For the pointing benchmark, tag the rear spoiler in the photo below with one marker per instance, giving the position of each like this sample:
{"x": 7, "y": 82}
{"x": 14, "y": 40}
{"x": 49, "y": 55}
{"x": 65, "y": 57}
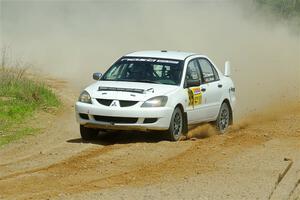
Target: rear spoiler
{"x": 227, "y": 69}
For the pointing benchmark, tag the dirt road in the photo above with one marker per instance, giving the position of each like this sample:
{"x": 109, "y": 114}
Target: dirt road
{"x": 258, "y": 159}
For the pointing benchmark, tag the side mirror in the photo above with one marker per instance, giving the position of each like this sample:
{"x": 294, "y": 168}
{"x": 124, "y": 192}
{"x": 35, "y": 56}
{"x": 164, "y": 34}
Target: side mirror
{"x": 97, "y": 76}
{"x": 227, "y": 68}
{"x": 192, "y": 83}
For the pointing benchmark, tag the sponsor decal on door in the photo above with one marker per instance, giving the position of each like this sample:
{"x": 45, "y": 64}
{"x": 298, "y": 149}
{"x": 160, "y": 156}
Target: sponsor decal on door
{"x": 195, "y": 96}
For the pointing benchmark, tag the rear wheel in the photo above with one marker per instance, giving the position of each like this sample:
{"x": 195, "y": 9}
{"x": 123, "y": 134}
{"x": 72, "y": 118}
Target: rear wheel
{"x": 88, "y": 133}
{"x": 176, "y": 125}
{"x": 223, "y": 119}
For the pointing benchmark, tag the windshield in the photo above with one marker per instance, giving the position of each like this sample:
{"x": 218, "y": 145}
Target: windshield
{"x": 149, "y": 70}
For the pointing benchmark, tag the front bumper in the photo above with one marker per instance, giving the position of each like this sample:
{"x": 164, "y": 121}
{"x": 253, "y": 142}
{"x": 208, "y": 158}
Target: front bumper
{"x": 99, "y": 116}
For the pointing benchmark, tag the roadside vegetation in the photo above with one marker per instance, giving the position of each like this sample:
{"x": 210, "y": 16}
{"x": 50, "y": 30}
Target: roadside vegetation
{"x": 287, "y": 11}
{"x": 20, "y": 98}
{"x": 284, "y": 8}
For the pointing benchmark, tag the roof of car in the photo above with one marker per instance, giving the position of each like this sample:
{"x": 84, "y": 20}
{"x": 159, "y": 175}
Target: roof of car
{"x": 177, "y": 55}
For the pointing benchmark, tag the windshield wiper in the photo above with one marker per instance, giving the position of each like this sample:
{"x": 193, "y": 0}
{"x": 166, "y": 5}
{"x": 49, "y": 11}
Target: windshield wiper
{"x": 146, "y": 81}
{"x": 128, "y": 80}
{"x": 132, "y": 80}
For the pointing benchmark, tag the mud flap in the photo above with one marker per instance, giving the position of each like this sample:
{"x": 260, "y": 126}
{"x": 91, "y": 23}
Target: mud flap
{"x": 185, "y": 124}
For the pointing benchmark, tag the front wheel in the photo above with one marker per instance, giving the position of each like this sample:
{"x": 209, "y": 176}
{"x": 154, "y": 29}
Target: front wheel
{"x": 223, "y": 119}
{"x": 175, "y": 130}
{"x": 88, "y": 133}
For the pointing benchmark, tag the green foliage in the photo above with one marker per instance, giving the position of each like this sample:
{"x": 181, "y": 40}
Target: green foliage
{"x": 17, "y": 134}
{"x": 286, "y": 8}
{"x": 20, "y": 97}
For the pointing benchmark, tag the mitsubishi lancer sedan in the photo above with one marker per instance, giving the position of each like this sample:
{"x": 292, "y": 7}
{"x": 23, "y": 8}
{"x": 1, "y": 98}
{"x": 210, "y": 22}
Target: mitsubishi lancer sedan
{"x": 163, "y": 91}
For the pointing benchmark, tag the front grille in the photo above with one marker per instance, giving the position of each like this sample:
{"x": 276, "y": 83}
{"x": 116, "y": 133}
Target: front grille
{"x": 121, "y": 120}
{"x": 105, "y": 102}
{"x": 127, "y": 103}
{"x": 83, "y": 116}
{"x": 150, "y": 120}
{"x": 123, "y": 103}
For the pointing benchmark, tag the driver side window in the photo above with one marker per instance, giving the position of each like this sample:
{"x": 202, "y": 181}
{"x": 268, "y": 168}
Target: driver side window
{"x": 192, "y": 72}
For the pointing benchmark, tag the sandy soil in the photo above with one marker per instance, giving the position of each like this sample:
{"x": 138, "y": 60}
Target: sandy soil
{"x": 258, "y": 159}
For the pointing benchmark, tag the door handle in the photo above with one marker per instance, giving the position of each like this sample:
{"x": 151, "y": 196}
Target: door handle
{"x": 203, "y": 89}
{"x": 220, "y": 85}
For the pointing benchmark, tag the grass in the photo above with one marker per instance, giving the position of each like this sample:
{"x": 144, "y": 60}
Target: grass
{"x": 20, "y": 98}
{"x": 18, "y": 134}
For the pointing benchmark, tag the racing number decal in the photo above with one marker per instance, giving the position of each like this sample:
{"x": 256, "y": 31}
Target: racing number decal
{"x": 195, "y": 96}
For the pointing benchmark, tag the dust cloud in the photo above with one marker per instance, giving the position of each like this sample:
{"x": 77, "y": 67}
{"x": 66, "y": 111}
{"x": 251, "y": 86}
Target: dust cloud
{"x": 201, "y": 132}
{"x": 73, "y": 39}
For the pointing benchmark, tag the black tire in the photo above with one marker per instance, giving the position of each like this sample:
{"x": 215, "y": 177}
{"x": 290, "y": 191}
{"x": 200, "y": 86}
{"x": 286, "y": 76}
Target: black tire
{"x": 223, "y": 120}
{"x": 176, "y": 125}
{"x": 88, "y": 133}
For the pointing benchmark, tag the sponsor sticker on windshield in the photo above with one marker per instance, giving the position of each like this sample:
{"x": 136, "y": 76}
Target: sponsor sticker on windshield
{"x": 139, "y": 59}
{"x": 168, "y": 61}
{"x": 150, "y": 60}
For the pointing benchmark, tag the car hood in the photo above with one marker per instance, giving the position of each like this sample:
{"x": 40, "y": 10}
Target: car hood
{"x": 131, "y": 91}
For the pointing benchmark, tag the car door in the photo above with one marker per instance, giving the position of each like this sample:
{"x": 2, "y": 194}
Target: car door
{"x": 212, "y": 87}
{"x": 195, "y": 109}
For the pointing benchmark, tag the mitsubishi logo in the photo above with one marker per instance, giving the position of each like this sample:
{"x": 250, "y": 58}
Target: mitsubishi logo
{"x": 115, "y": 103}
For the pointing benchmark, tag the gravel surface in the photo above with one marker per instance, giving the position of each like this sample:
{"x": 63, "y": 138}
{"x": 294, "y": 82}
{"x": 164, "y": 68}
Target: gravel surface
{"x": 257, "y": 159}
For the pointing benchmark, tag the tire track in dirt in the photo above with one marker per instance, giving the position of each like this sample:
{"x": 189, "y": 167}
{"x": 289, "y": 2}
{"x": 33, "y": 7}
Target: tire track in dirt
{"x": 199, "y": 157}
{"x": 68, "y": 163}
{"x": 18, "y": 160}
{"x": 74, "y": 171}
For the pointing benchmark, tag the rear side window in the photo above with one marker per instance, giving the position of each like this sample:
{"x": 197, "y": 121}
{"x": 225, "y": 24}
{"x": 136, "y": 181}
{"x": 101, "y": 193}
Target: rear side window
{"x": 209, "y": 73}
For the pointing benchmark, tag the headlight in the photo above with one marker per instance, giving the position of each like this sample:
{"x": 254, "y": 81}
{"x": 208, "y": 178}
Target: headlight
{"x": 159, "y": 101}
{"x": 85, "y": 97}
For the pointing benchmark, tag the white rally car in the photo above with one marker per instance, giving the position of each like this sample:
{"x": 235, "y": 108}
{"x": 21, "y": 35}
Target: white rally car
{"x": 161, "y": 91}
